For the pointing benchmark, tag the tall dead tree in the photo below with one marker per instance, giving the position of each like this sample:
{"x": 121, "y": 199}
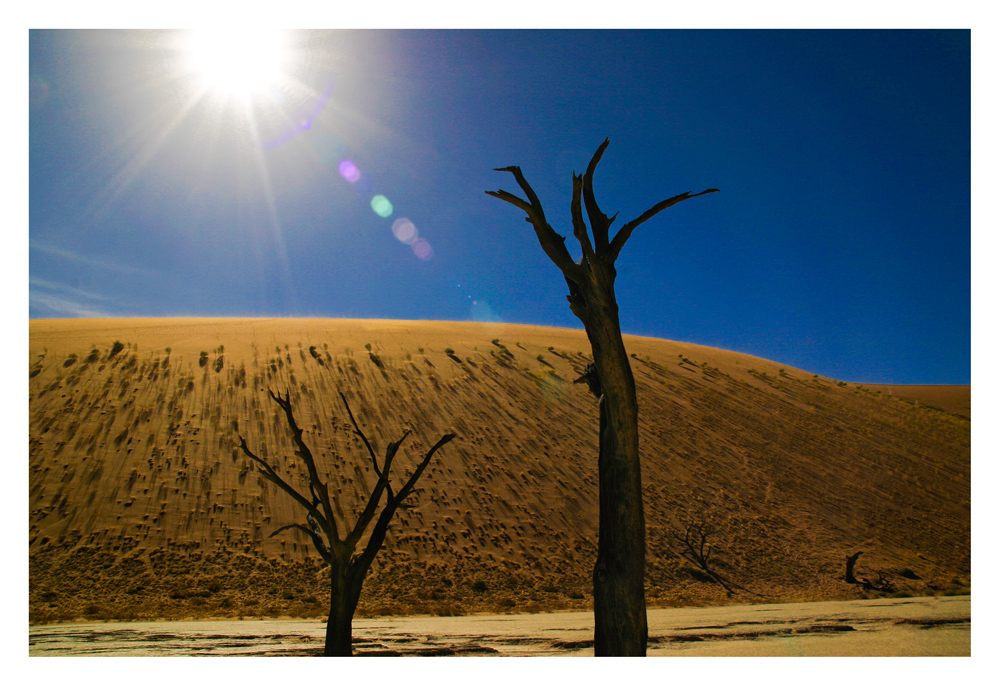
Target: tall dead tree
{"x": 619, "y": 595}
{"x": 340, "y": 550}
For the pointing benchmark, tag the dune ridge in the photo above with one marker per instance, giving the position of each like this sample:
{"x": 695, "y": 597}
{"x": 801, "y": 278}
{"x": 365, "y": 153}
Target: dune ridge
{"x": 142, "y": 506}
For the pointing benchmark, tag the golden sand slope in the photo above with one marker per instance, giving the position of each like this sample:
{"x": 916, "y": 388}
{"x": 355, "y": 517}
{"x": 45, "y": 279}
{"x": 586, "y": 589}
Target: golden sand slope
{"x": 143, "y": 506}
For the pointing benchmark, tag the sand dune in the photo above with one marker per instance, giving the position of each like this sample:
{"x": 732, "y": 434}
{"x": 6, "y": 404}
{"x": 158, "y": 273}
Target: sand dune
{"x": 141, "y": 505}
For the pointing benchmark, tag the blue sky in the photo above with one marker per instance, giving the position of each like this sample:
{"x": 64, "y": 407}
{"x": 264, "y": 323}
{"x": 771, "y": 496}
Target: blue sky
{"x": 840, "y": 242}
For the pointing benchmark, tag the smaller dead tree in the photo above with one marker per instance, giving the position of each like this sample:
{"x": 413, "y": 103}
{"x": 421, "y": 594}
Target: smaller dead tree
{"x": 882, "y": 585}
{"x": 695, "y": 548}
{"x": 337, "y": 545}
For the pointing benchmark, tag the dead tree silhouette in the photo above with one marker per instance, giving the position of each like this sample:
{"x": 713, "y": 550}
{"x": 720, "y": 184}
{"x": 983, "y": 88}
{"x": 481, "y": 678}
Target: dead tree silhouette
{"x": 882, "y": 585}
{"x": 347, "y": 566}
{"x": 619, "y": 574}
{"x": 695, "y": 548}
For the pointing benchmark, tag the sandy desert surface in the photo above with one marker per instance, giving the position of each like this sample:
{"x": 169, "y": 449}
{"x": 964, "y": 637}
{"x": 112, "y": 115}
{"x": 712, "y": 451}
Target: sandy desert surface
{"x": 869, "y": 628}
{"x": 142, "y": 507}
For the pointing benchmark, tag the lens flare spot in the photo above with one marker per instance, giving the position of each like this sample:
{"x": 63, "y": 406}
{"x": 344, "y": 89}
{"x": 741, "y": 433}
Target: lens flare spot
{"x": 422, "y": 249}
{"x": 482, "y": 312}
{"x": 349, "y": 171}
{"x": 382, "y": 206}
{"x": 404, "y": 231}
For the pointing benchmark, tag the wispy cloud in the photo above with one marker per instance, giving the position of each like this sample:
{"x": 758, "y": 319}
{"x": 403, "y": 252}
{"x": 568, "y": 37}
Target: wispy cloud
{"x": 41, "y": 304}
{"x": 69, "y": 290}
{"x": 88, "y": 260}
{"x": 48, "y": 298}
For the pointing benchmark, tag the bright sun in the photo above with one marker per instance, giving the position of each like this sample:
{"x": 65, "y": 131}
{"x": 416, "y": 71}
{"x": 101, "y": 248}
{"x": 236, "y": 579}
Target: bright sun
{"x": 238, "y": 62}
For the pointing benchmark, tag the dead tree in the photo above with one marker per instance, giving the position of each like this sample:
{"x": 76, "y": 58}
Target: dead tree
{"x": 335, "y": 544}
{"x": 619, "y": 574}
{"x": 882, "y": 585}
{"x": 694, "y": 548}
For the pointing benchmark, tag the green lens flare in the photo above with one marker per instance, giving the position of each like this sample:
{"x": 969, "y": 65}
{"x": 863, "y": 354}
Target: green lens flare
{"x": 382, "y": 206}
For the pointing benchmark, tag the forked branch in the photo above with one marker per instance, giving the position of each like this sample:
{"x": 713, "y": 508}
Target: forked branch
{"x": 382, "y": 525}
{"x": 626, "y": 231}
{"x": 319, "y": 506}
{"x": 271, "y": 475}
{"x": 552, "y": 243}
{"x": 600, "y": 224}
{"x": 602, "y": 248}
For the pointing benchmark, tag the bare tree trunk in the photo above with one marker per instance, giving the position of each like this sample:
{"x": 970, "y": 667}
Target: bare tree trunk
{"x": 619, "y": 574}
{"x": 344, "y": 594}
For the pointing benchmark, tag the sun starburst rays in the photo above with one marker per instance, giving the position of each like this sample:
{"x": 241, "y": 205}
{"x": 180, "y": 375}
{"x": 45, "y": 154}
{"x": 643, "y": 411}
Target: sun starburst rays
{"x": 228, "y": 134}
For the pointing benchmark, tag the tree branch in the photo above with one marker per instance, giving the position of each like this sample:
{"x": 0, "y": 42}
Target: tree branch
{"x": 316, "y": 538}
{"x": 376, "y": 495}
{"x": 623, "y": 234}
{"x": 317, "y": 488}
{"x": 579, "y": 227}
{"x": 364, "y": 560}
{"x": 383, "y": 484}
{"x": 268, "y": 472}
{"x": 359, "y": 432}
{"x": 600, "y": 224}
{"x": 552, "y": 243}
{"x": 408, "y": 486}
{"x": 592, "y": 378}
